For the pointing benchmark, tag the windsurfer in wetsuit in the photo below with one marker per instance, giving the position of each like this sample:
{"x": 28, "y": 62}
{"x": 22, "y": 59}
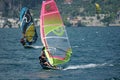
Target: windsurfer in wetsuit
{"x": 43, "y": 59}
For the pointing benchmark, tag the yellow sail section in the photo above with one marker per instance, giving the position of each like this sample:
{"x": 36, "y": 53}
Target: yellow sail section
{"x": 98, "y": 9}
{"x": 50, "y": 59}
{"x": 30, "y": 32}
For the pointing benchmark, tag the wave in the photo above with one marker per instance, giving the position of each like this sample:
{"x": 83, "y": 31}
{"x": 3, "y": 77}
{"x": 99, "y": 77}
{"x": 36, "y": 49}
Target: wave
{"x": 37, "y": 47}
{"x": 76, "y": 46}
{"x": 72, "y": 67}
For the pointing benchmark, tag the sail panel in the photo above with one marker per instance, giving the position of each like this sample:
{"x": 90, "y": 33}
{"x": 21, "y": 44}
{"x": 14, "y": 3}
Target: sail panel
{"x": 30, "y": 32}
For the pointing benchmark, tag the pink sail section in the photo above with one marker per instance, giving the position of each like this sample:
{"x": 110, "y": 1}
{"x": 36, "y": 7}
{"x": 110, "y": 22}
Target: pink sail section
{"x": 49, "y": 17}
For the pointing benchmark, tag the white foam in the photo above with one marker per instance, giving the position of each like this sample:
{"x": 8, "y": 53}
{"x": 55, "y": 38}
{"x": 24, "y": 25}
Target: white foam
{"x": 36, "y": 47}
{"x": 75, "y": 46}
{"x": 83, "y": 66}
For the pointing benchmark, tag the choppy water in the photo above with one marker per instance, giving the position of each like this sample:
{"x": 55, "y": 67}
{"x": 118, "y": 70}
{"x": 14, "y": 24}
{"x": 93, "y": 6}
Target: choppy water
{"x": 96, "y": 56}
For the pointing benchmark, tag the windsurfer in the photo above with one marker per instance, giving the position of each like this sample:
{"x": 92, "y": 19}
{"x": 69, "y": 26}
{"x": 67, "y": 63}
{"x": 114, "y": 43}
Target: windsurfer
{"x": 43, "y": 59}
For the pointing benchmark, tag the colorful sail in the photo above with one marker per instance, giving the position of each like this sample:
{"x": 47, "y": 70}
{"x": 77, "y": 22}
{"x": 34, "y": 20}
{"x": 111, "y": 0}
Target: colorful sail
{"x": 27, "y": 26}
{"x": 53, "y": 34}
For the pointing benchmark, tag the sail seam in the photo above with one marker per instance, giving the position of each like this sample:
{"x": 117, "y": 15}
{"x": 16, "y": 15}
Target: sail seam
{"x": 56, "y": 37}
{"x": 50, "y": 13}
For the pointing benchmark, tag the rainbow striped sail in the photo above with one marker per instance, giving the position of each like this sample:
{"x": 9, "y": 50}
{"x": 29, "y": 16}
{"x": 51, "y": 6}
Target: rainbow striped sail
{"x": 53, "y": 34}
{"x": 27, "y": 26}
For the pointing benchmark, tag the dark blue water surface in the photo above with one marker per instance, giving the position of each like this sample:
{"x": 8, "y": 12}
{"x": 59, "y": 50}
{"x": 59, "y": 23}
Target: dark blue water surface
{"x": 96, "y": 56}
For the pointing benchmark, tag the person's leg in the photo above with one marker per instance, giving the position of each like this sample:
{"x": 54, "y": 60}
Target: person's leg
{"x": 46, "y": 63}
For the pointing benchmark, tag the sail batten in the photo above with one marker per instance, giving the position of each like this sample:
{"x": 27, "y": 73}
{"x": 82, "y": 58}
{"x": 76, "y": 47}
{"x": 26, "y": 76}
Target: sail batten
{"x": 51, "y": 13}
{"x": 49, "y": 25}
{"x": 53, "y": 34}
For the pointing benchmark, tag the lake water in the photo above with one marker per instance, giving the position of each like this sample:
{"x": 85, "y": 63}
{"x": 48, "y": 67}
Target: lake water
{"x": 96, "y": 56}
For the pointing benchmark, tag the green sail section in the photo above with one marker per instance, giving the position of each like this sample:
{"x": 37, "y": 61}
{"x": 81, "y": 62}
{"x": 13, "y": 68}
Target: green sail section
{"x": 66, "y": 59}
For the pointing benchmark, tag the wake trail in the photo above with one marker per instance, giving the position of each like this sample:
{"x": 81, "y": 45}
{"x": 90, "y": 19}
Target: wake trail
{"x": 37, "y": 47}
{"x": 72, "y": 67}
{"x": 75, "y": 46}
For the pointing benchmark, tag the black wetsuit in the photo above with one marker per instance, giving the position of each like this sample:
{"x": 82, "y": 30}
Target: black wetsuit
{"x": 42, "y": 61}
{"x": 22, "y": 41}
{"x": 45, "y": 66}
